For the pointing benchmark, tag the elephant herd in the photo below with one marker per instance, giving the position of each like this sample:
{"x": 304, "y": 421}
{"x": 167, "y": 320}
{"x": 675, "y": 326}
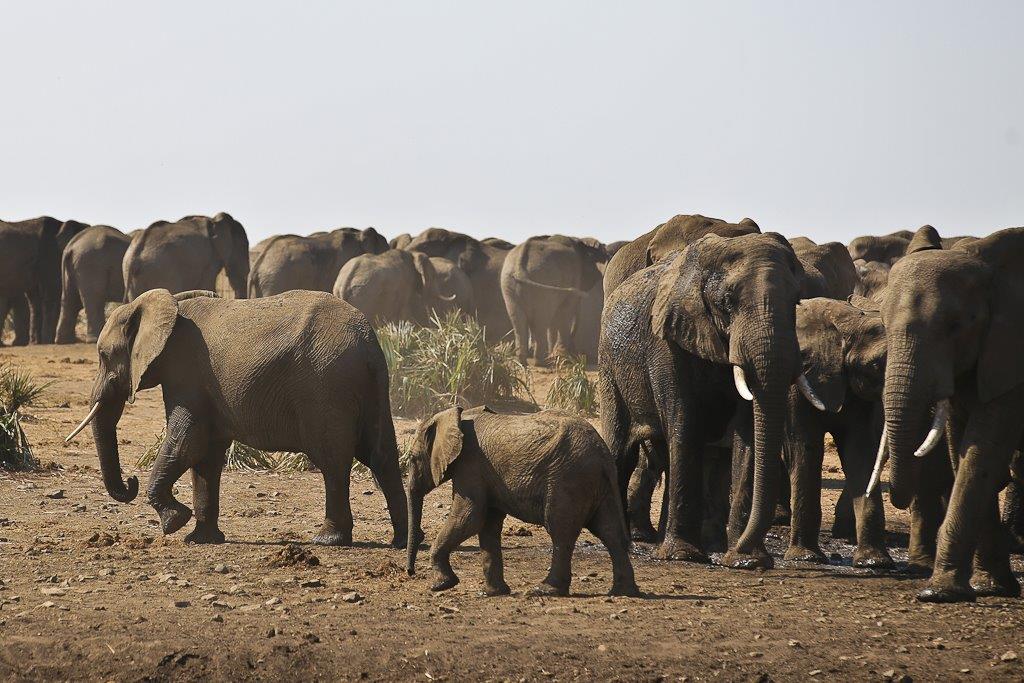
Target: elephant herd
{"x": 725, "y": 355}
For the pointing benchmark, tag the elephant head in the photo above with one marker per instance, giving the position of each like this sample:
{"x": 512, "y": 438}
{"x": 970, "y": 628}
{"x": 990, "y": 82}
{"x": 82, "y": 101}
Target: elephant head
{"x": 732, "y": 301}
{"x": 131, "y": 341}
{"x": 951, "y": 317}
{"x": 232, "y": 248}
{"x": 437, "y": 446}
{"x": 373, "y": 242}
{"x": 429, "y": 283}
{"x": 465, "y": 251}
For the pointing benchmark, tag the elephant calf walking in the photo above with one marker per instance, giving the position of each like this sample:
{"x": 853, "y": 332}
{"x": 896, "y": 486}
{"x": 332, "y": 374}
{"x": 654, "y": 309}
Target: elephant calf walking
{"x": 547, "y": 468}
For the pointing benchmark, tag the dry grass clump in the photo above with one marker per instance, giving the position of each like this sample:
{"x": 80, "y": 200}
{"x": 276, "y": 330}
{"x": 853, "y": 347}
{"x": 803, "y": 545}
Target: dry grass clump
{"x": 572, "y": 390}
{"x": 449, "y": 362}
{"x": 242, "y": 458}
{"x": 17, "y": 390}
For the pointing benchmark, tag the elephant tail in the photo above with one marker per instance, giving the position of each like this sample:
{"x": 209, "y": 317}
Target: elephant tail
{"x": 551, "y": 288}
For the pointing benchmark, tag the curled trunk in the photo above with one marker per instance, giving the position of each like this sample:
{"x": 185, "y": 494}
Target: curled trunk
{"x": 104, "y": 432}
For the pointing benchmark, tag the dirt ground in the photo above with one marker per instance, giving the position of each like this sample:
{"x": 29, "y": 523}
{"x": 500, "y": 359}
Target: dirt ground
{"x": 89, "y": 589}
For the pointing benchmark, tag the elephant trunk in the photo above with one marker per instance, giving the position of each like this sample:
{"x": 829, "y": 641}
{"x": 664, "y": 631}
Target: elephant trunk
{"x": 415, "y": 498}
{"x": 771, "y": 351}
{"x": 104, "y": 432}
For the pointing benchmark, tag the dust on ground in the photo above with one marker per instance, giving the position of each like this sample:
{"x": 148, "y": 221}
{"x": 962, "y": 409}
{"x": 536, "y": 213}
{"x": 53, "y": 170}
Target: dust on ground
{"x": 90, "y": 589}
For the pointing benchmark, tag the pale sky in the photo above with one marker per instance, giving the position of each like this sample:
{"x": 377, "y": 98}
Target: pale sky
{"x": 828, "y": 119}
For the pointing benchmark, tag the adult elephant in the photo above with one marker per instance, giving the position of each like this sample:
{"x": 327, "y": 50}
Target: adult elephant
{"x": 455, "y": 291}
{"x": 828, "y": 269}
{"x": 673, "y": 235}
{"x": 498, "y": 242}
{"x": 30, "y": 256}
{"x": 400, "y": 241}
{"x": 312, "y": 262}
{"x": 17, "y": 307}
{"x": 396, "y": 285}
{"x": 679, "y": 340}
{"x": 614, "y": 247}
{"x": 482, "y": 264}
{"x": 187, "y": 254}
{"x": 953, "y": 320}
{"x": 885, "y": 248}
{"x": 301, "y": 371}
{"x": 543, "y": 281}
{"x": 91, "y": 276}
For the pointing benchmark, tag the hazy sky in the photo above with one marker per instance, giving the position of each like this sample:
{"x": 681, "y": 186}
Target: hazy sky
{"x": 828, "y": 119}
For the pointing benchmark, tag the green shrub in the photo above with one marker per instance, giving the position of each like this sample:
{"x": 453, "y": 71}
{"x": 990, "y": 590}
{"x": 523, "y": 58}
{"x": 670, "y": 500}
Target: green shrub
{"x": 448, "y": 362}
{"x": 572, "y": 390}
{"x": 17, "y": 390}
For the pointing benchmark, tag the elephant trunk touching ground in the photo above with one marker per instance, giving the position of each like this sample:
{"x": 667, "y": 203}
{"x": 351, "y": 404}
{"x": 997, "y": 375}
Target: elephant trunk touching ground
{"x": 765, "y": 358}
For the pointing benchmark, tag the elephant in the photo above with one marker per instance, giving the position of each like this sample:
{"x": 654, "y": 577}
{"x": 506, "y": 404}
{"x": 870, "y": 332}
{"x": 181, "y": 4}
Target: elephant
{"x": 312, "y": 262}
{"x": 300, "y": 371}
{"x": 543, "y": 281}
{"x": 546, "y": 468}
{"x": 874, "y": 276}
{"x": 187, "y": 255}
{"x": 670, "y": 236}
{"x": 953, "y": 320}
{"x": 400, "y": 241}
{"x": 843, "y": 358}
{"x": 587, "y": 328}
{"x": 482, "y": 264}
{"x": 452, "y": 284}
{"x": 498, "y": 242}
{"x": 614, "y": 247}
{"x": 30, "y": 265}
{"x": 679, "y": 340}
{"x": 91, "y": 276}
{"x": 885, "y": 248}
{"x": 828, "y": 269}
{"x": 396, "y": 285}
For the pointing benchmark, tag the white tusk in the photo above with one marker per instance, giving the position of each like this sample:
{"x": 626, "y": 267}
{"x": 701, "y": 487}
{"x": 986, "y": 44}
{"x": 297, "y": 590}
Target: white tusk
{"x": 741, "y": 383}
{"x": 880, "y": 460}
{"x": 84, "y": 423}
{"x": 938, "y": 429}
{"x": 808, "y": 392}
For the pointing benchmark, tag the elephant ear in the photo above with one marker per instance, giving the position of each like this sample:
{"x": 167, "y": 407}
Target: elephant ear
{"x": 679, "y": 313}
{"x": 149, "y": 326}
{"x": 1000, "y": 363}
{"x": 425, "y": 269}
{"x": 226, "y": 235}
{"x": 819, "y": 332}
{"x": 924, "y": 239}
{"x": 444, "y": 442}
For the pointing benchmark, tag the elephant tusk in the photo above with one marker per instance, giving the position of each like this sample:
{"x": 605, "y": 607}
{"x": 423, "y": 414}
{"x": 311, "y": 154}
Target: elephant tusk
{"x": 741, "y": 383}
{"x": 938, "y": 428}
{"x": 84, "y": 423}
{"x": 446, "y": 297}
{"x": 808, "y": 392}
{"x": 880, "y": 460}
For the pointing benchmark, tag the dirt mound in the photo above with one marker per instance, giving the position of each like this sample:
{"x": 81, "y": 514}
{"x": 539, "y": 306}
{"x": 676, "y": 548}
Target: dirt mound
{"x": 293, "y": 555}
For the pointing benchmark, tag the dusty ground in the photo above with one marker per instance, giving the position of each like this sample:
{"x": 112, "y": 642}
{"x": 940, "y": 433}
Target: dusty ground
{"x": 89, "y": 589}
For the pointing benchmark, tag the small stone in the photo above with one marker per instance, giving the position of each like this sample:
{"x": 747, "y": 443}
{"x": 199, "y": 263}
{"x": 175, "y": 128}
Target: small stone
{"x": 56, "y": 494}
{"x": 352, "y": 597}
{"x": 54, "y": 592}
{"x": 448, "y": 609}
{"x": 1008, "y": 656}
{"x": 220, "y": 569}
{"x": 273, "y": 601}
{"x": 795, "y": 643}
{"x": 209, "y": 597}
{"x": 814, "y": 672}
{"x": 272, "y": 632}
{"x": 311, "y": 583}
{"x": 602, "y": 648}
{"x": 219, "y": 618}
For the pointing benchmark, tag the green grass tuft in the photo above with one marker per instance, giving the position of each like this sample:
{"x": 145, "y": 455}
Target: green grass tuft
{"x": 572, "y": 390}
{"x": 17, "y": 390}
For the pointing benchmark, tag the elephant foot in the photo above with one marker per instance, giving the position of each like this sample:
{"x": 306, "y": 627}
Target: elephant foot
{"x": 626, "y": 590}
{"x": 947, "y": 594}
{"x": 329, "y": 535}
{"x": 173, "y": 516}
{"x": 872, "y": 557}
{"x": 985, "y": 585}
{"x": 756, "y": 559}
{"x": 674, "y": 548}
{"x": 205, "y": 534}
{"x": 546, "y": 590}
{"x": 497, "y": 590}
{"x": 643, "y": 534}
{"x": 445, "y": 582}
{"x": 66, "y": 340}
{"x": 798, "y": 553}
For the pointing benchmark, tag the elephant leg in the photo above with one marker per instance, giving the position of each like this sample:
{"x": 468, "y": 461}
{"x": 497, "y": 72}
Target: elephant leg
{"x": 685, "y": 490}
{"x": 95, "y": 314}
{"x": 561, "y": 519}
{"x": 5, "y": 306}
{"x": 36, "y": 313}
{"x": 642, "y": 484}
{"x": 990, "y": 438}
{"x": 336, "y": 470}
{"x": 465, "y": 518}
{"x": 561, "y": 325}
{"x": 1013, "y": 505}
{"x": 185, "y": 444}
{"x": 206, "y": 494}
{"x": 857, "y": 446}
{"x": 20, "y": 320}
{"x": 388, "y": 477}
{"x": 615, "y": 430}
{"x": 70, "y": 306}
{"x": 520, "y": 325}
{"x": 490, "y": 545}
{"x": 606, "y": 524}
{"x": 742, "y": 476}
{"x": 716, "y": 499}
{"x": 992, "y": 573}
{"x": 928, "y": 509}
{"x": 844, "y": 524}
{"x": 805, "y": 450}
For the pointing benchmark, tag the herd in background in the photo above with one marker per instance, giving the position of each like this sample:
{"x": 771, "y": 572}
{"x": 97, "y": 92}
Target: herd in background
{"x": 724, "y": 355}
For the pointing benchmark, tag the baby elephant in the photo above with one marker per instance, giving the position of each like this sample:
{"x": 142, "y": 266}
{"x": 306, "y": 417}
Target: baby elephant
{"x": 546, "y": 468}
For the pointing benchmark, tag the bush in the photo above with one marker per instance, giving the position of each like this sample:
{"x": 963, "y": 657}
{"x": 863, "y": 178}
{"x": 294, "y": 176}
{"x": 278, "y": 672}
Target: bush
{"x": 241, "y": 457}
{"x": 17, "y": 390}
{"x": 572, "y": 389}
{"x": 448, "y": 363}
